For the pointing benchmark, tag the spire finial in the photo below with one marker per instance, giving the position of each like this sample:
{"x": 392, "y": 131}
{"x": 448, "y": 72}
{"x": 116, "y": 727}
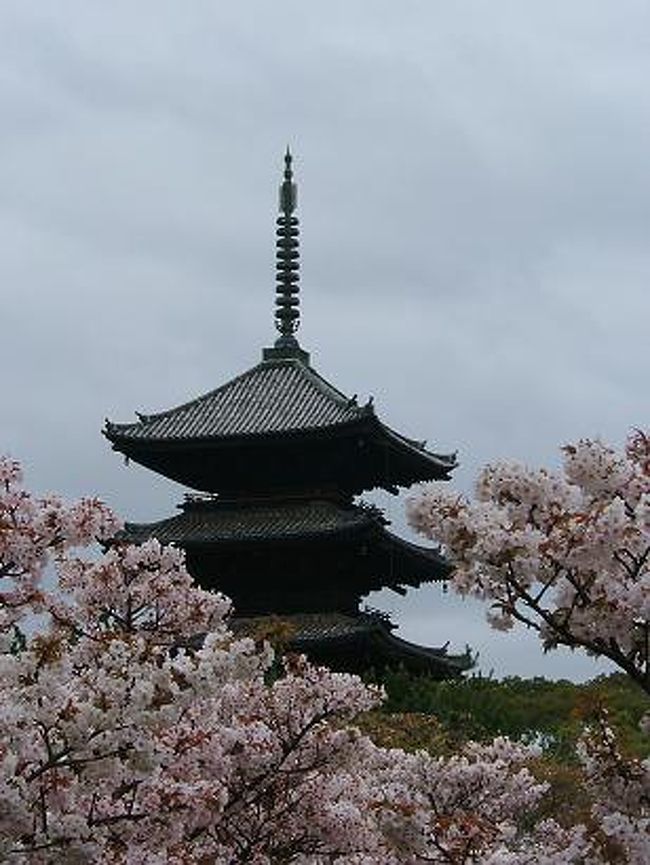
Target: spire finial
{"x": 288, "y": 189}
{"x": 286, "y": 300}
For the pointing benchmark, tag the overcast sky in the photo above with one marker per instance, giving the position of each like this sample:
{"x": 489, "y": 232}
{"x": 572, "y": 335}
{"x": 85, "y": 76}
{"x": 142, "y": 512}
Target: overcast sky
{"x": 474, "y": 202}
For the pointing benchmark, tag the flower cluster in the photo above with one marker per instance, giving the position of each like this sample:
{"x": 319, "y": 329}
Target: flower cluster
{"x": 568, "y": 555}
{"x": 33, "y": 530}
{"x": 620, "y": 788}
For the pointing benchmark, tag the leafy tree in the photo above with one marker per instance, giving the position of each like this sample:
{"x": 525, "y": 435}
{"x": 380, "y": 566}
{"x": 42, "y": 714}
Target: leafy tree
{"x": 443, "y": 715}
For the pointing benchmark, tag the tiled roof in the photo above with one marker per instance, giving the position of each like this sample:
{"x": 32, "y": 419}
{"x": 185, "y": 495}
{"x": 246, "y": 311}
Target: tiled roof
{"x": 276, "y": 396}
{"x": 205, "y": 524}
{"x": 305, "y": 626}
{"x": 311, "y": 632}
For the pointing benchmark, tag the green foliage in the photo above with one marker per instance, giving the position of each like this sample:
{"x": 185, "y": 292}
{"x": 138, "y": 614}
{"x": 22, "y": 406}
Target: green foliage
{"x": 547, "y": 713}
{"x": 411, "y": 731}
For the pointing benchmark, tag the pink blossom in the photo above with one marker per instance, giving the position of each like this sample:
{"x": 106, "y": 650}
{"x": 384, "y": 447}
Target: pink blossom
{"x": 567, "y": 555}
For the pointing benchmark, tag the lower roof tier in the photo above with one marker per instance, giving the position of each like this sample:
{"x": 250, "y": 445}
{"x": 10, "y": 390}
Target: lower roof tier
{"x": 279, "y": 425}
{"x": 352, "y": 643}
{"x": 291, "y": 556}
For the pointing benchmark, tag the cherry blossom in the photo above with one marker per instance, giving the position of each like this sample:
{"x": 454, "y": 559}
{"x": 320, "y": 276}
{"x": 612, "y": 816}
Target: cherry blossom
{"x": 569, "y": 556}
{"x": 565, "y": 554}
{"x": 136, "y": 730}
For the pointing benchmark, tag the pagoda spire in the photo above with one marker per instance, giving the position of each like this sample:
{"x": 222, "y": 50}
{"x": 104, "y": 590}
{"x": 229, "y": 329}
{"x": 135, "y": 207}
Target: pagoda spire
{"x": 287, "y": 315}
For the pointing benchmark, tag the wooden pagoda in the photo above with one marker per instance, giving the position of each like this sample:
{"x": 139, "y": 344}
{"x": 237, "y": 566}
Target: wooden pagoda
{"x": 277, "y": 456}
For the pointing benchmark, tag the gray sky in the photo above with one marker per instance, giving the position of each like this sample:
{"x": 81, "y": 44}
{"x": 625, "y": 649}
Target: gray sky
{"x": 474, "y": 204}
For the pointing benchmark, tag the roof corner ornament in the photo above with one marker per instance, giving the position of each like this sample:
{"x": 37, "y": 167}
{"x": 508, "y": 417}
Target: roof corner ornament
{"x": 287, "y": 316}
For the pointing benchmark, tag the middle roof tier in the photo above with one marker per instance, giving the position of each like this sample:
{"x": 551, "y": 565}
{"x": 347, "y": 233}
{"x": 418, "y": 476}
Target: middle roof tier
{"x": 284, "y": 555}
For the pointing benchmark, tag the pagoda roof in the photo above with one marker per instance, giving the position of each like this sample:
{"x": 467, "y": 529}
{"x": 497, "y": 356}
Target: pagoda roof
{"x": 275, "y": 396}
{"x": 390, "y": 561}
{"x": 359, "y": 641}
{"x": 210, "y": 522}
{"x": 280, "y": 401}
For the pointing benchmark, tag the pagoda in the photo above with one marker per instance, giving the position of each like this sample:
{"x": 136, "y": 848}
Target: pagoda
{"x": 276, "y": 457}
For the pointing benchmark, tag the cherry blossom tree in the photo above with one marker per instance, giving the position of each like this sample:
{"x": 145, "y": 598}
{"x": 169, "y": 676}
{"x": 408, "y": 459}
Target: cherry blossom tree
{"x": 565, "y": 554}
{"x": 135, "y": 729}
{"x": 125, "y": 738}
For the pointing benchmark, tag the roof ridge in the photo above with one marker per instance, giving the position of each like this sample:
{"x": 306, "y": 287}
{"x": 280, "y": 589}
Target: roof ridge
{"x": 314, "y": 378}
{"x": 331, "y": 390}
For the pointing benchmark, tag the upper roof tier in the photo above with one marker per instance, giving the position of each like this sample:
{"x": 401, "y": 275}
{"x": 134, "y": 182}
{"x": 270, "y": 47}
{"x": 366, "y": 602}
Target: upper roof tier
{"x": 273, "y": 397}
{"x": 279, "y": 425}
